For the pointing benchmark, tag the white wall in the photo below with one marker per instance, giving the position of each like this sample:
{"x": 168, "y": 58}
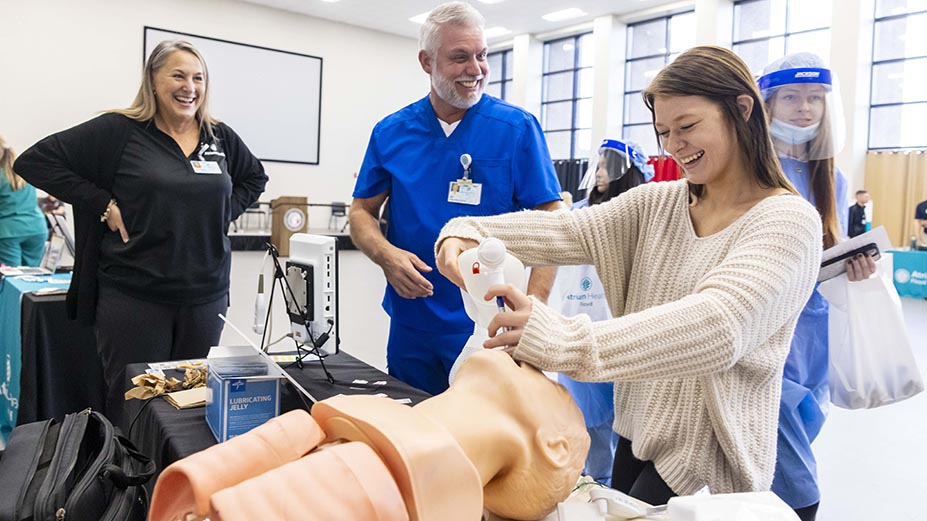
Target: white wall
{"x": 65, "y": 61}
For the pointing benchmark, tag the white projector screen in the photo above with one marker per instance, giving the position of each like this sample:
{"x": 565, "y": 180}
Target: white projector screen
{"x": 271, "y": 98}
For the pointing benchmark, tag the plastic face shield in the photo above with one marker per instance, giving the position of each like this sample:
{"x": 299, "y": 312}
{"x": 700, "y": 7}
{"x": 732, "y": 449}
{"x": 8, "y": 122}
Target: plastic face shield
{"x": 806, "y": 113}
{"x": 619, "y": 157}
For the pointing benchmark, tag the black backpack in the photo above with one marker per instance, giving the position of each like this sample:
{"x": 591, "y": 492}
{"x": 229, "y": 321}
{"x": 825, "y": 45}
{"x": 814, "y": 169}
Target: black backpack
{"x": 79, "y": 470}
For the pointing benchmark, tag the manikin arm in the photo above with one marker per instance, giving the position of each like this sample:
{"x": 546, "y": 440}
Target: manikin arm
{"x": 186, "y": 485}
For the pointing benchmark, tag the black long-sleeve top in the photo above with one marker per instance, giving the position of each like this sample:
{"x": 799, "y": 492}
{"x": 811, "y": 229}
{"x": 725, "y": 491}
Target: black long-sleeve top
{"x": 176, "y": 218}
{"x": 857, "y": 220}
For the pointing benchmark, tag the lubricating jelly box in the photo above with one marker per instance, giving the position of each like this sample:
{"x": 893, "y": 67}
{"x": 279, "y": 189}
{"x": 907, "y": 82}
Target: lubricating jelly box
{"x": 244, "y": 391}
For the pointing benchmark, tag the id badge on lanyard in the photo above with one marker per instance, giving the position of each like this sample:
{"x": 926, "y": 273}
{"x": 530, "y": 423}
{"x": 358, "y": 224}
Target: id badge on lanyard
{"x": 202, "y": 166}
{"x": 464, "y": 190}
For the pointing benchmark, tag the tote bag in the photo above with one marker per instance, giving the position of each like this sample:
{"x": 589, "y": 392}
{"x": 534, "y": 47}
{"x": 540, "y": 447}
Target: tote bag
{"x": 871, "y": 361}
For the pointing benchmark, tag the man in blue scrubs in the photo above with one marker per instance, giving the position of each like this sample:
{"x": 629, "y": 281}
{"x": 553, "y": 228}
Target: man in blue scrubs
{"x": 415, "y": 159}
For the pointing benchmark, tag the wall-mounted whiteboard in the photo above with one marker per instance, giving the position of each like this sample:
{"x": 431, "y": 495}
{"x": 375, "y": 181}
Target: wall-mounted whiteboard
{"x": 271, "y": 98}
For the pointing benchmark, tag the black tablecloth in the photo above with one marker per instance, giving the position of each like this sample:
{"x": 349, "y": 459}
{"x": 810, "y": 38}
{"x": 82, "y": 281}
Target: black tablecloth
{"x": 61, "y": 371}
{"x": 166, "y": 434}
{"x": 241, "y": 242}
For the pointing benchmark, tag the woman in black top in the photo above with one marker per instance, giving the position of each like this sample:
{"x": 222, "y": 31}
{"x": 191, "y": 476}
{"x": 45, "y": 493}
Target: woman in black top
{"x": 154, "y": 188}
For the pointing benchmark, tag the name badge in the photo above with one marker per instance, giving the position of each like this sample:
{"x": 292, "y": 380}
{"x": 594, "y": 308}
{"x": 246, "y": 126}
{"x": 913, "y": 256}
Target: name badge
{"x": 206, "y": 167}
{"x": 464, "y": 191}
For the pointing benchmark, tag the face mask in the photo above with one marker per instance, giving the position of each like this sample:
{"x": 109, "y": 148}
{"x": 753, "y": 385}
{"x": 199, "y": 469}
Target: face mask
{"x": 792, "y": 134}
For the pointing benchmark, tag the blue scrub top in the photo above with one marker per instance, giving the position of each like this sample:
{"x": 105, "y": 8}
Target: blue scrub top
{"x": 20, "y": 215}
{"x": 805, "y": 394}
{"x": 797, "y": 172}
{"x": 411, "y": 158}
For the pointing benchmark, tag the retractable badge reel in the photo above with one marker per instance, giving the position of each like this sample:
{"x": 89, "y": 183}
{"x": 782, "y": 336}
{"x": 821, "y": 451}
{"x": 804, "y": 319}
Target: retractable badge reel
{"x": 464, "y": 190}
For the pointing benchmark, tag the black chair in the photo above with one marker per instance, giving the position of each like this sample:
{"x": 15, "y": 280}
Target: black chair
{"x": 338, "y": 210}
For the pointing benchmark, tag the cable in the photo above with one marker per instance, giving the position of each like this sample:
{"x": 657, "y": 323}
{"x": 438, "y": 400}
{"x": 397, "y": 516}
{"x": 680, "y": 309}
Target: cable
{"x": 137, "y": 414}
{"x": 260, "y": 288}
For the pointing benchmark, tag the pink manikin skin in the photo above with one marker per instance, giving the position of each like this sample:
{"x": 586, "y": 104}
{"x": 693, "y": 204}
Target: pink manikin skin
{"x": 186, "y": 485}
{"x": 344, "y": 481}
{"x": 434, "y": 475}
{"x": 503, "y": 437}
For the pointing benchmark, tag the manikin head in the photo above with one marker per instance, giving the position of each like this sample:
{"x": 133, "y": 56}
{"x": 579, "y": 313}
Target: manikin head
{"x": 553, "y": 437}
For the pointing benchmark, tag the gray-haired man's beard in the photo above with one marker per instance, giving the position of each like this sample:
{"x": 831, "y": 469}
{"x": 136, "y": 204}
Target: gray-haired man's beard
{"x": 448, "y": 92}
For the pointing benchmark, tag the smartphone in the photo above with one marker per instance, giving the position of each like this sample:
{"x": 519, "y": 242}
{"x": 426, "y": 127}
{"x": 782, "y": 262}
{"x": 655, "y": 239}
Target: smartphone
{"x": 837, "y": 265}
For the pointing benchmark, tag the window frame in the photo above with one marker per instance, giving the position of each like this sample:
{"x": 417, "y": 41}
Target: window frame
{"x": 499, "y": 79}
{"x": 785, "y": 35}
{"x": 628, "y": 61}
{"x": 574, "y": 98}
{"x": 872, "y": 69}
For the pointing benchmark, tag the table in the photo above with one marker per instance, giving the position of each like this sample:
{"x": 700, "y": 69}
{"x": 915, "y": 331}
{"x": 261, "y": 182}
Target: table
{"x": 167, "y": 434}
{"x": 52, "y": 367}
{"x": 910, "y": 272}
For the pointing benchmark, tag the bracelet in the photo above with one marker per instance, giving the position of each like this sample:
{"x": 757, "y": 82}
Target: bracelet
{"x": 109, "y": 209}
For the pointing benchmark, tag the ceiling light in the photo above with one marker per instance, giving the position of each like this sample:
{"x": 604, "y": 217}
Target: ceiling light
{"x": 420, "y": 18}
{"x": 565, "y": 14}
{"x": 493, "y": 32}
{"x": 488, "y": 2}
{"x": 331, "y": 1}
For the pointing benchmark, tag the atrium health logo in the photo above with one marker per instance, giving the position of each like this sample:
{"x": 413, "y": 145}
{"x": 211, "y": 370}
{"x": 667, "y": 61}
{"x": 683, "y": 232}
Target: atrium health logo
{"x": 585, "y": 284}
{"x": 902, "y": 276}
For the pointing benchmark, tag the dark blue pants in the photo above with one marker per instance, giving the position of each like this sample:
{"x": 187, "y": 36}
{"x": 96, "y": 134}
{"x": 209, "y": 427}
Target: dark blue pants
{"x": 423, "y": 359}
{"x": 130, "y": 330}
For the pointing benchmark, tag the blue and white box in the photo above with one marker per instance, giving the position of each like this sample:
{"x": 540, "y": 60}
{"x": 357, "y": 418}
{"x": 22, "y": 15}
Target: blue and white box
{"x": 244, "y": 391}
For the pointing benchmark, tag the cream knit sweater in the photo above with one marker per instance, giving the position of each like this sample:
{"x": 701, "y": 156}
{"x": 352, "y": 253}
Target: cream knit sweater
{"x": 704, "y": 325}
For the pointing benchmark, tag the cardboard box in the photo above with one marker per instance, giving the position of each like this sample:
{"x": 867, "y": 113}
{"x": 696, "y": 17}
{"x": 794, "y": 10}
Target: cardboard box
{"x": 244, "y": 391}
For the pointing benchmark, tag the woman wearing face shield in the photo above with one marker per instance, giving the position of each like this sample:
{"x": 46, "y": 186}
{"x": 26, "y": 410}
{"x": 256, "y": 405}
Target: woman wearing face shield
{"x": 806, "y": 125}
{"x": 619, "y": 166}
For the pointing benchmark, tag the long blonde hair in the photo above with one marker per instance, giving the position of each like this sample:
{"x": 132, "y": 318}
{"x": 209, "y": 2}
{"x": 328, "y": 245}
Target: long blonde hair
{"x": 820, "y": 174}
{"x": 145, "y": 105}
{"x": 7, "y": 157}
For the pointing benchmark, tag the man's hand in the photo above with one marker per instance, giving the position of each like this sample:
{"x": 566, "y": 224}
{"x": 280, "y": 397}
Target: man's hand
{"x": 446, "y": 259}
{"x": 402, "y": 269}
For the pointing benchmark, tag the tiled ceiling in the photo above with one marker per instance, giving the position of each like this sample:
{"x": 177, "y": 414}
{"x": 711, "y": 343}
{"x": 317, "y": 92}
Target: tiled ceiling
{"x": 519, "y": 16}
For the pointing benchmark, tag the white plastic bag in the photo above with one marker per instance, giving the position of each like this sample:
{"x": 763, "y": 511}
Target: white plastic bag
{"x": 871, "y": 361}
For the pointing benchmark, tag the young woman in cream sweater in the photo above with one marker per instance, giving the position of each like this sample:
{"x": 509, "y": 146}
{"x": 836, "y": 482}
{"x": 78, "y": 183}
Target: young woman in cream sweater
{"x": 707, "y": 276}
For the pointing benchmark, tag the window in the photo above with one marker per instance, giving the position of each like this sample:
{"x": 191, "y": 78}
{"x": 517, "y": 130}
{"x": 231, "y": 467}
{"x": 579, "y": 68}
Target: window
{"x": 566, "y": 96}
{"x": 651, "y": 45}
{"x": 500, "y": 74}
{"x": 766, "y": 30}
{"x": 898, "y": 97}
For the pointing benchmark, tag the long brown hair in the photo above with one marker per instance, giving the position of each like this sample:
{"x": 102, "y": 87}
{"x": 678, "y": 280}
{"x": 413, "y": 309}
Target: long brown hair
{"x": 821, "y": 177}
{"x": 720, "y": 76}
{"x": 7, "y": 157}
{"x": 145, "y": 105}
